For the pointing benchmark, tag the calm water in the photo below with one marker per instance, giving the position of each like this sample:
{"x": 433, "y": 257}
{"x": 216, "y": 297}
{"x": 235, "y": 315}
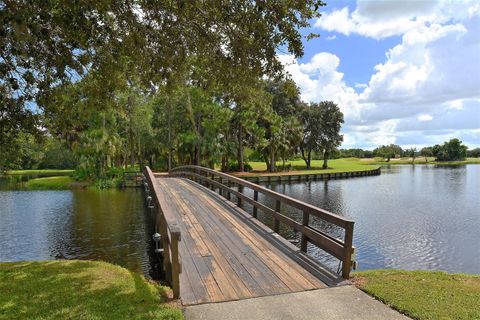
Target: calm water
{"x": 420, "y": 217}
{"x": 409, "y": 217}
{"x": 79, "y": 224}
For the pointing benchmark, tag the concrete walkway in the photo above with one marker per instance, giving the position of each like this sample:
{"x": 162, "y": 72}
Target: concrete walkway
{"x": 346, "y": 302}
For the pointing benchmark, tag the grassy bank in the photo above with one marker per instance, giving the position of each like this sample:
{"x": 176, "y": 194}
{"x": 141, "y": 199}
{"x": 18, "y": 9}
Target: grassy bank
{"x": 420, "y": 160}
{"x": 50, "y": 183}
{"x": 78, "y": 290}
{"x": 52, "y": 172}
{"x": 424, "y": 295}
{"x": 299, "y": 167}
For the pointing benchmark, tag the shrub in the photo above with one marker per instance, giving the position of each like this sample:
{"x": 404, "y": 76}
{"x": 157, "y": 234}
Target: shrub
{"x": 233, "y": 166}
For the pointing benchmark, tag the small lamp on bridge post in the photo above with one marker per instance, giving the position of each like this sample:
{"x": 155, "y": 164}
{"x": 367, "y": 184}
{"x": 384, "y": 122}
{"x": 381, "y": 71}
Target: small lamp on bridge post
{"x": 156, "y": 237}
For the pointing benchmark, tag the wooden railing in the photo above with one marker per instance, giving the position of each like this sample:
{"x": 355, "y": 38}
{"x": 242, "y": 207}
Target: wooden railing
{"x": 340, "y": 249}
{"x": 169, "y": 231}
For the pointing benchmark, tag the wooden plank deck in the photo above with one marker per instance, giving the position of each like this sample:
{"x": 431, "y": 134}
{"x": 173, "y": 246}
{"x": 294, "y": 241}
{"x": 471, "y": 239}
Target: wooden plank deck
{"x": 223, "y": 258}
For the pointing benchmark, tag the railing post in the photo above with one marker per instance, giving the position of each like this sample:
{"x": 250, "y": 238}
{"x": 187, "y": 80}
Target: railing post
{"x": 348, "y": 243}
{"x": 175, "y": 265}
{"x": 276, "y": 226}
{"x": 239, "y": 200}
{"x": 255, "y": 197}
{"x": 220, "y": 189}
{"x": 305, "y": 222}
{"x": 229, "y": 185}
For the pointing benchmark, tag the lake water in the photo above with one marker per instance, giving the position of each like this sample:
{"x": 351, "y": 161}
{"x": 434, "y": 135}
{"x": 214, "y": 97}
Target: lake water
{"x": 77, "y": 224}
{"x": 409, "y": 217}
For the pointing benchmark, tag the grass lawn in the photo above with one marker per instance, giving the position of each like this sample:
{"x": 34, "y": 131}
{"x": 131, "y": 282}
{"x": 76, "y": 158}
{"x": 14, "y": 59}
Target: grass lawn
{"x": 424, "y": 294}
{"x": 79, "y": 290}
{"x": 418, "y": 160}
{"x": 298, "y": 167}
{"x": 37, "y": 172}
{"x": 49, "y": 183}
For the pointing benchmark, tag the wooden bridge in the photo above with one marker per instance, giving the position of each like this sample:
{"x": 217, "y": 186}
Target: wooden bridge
{"x": 215, "y": 249}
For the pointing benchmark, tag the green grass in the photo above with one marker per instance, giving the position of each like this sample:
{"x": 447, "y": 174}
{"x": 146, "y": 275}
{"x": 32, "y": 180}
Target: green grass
{"x": 421, "y": 160}
{"x": 424, "y": 294}
{"x": 299, "y": 167}
{"x": 49, "y": 183}
{"x": 346, "y": 165}
{"x": 41, "y": 172}
{"x": 79, "y": 290}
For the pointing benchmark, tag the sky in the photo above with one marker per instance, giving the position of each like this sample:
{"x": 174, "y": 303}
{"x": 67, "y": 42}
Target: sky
{"x": 404, "y": 72}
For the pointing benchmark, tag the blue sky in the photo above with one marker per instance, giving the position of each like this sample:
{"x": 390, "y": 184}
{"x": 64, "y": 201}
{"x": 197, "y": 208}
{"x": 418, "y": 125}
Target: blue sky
{"x": 405, "y": 72}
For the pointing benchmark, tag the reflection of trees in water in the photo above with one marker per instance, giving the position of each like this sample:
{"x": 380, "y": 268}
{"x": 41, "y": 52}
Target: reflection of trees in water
{"x": 104, "y": 225}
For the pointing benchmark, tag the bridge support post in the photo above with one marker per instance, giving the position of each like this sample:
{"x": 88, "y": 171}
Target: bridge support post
{"x": 175, "y": 265}
{"x": 165, "y": 244}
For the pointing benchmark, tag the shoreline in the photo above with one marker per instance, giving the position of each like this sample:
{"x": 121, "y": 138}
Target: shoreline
{"x": 306, "y": 175}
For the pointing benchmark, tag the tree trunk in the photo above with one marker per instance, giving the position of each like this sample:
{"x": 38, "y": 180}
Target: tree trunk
{"x": 241, "y": 166}
{"x": 224, "y": 163}
{"x": 266, "y": 159}
{"x": 325, "y": 159}
{"x": 304, "y": 157}
{"x": 309, "y": 162}
{"x": 272, "y": 161}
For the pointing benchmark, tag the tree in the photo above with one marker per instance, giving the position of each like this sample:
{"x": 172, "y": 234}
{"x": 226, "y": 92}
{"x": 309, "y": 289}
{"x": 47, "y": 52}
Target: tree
{"x": 412, "y": 152}
{"x": 219, "y": 44}
{"x": 474, "y": 153}
{"x": 279, "y": 122}
{"x": 321, "y": 122}
{"x": 386, "y": 152}
{"x": 426, "y": 152}
{"x": 452, "y": 150}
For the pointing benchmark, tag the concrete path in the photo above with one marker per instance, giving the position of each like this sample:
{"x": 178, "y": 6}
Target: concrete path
{"x": 342, "y": 303}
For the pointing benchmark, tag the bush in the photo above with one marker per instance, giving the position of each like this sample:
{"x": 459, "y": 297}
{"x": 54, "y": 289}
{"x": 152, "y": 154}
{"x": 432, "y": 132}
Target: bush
{"x": 233, "y": 166}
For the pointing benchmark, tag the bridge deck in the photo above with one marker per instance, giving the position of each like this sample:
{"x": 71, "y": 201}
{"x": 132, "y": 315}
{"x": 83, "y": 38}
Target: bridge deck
{"x": 223, "y": 258}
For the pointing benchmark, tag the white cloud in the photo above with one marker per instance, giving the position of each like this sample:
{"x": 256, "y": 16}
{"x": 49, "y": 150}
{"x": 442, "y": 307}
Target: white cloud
{"x": 381, "y": 19}
{"x": 331, "y": 37}
{"x": 426, "y": 90}
{"x": 424, "y": 117}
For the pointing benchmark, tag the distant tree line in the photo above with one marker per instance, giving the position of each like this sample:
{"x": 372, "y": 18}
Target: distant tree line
{"x": 178, "y": 125}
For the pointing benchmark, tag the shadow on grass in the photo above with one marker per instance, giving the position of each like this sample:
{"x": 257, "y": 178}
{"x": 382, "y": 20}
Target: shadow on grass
{"x": 78, "y": 290}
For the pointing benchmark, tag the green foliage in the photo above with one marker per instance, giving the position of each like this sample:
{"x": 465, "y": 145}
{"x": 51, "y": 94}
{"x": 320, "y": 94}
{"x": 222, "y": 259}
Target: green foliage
{"x": 234, "y": 167}
{"x": 452, "y": 150}
{"x": 322, "y": 122}
{"x": 218, "y": 44}
{"x": 388, "y": 152}
{"x": 426, "y": 152}
{"x": 354, "y": 153}
{"x": 56, "y": 155}
{"x": 73, "y": 289}
{"x": 474, "y": 153}
{"x": 27, "y": 151}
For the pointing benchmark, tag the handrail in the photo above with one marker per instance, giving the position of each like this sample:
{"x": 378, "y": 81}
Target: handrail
{"x": 341, "y": 249}
{"x": 169, "y": 231}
